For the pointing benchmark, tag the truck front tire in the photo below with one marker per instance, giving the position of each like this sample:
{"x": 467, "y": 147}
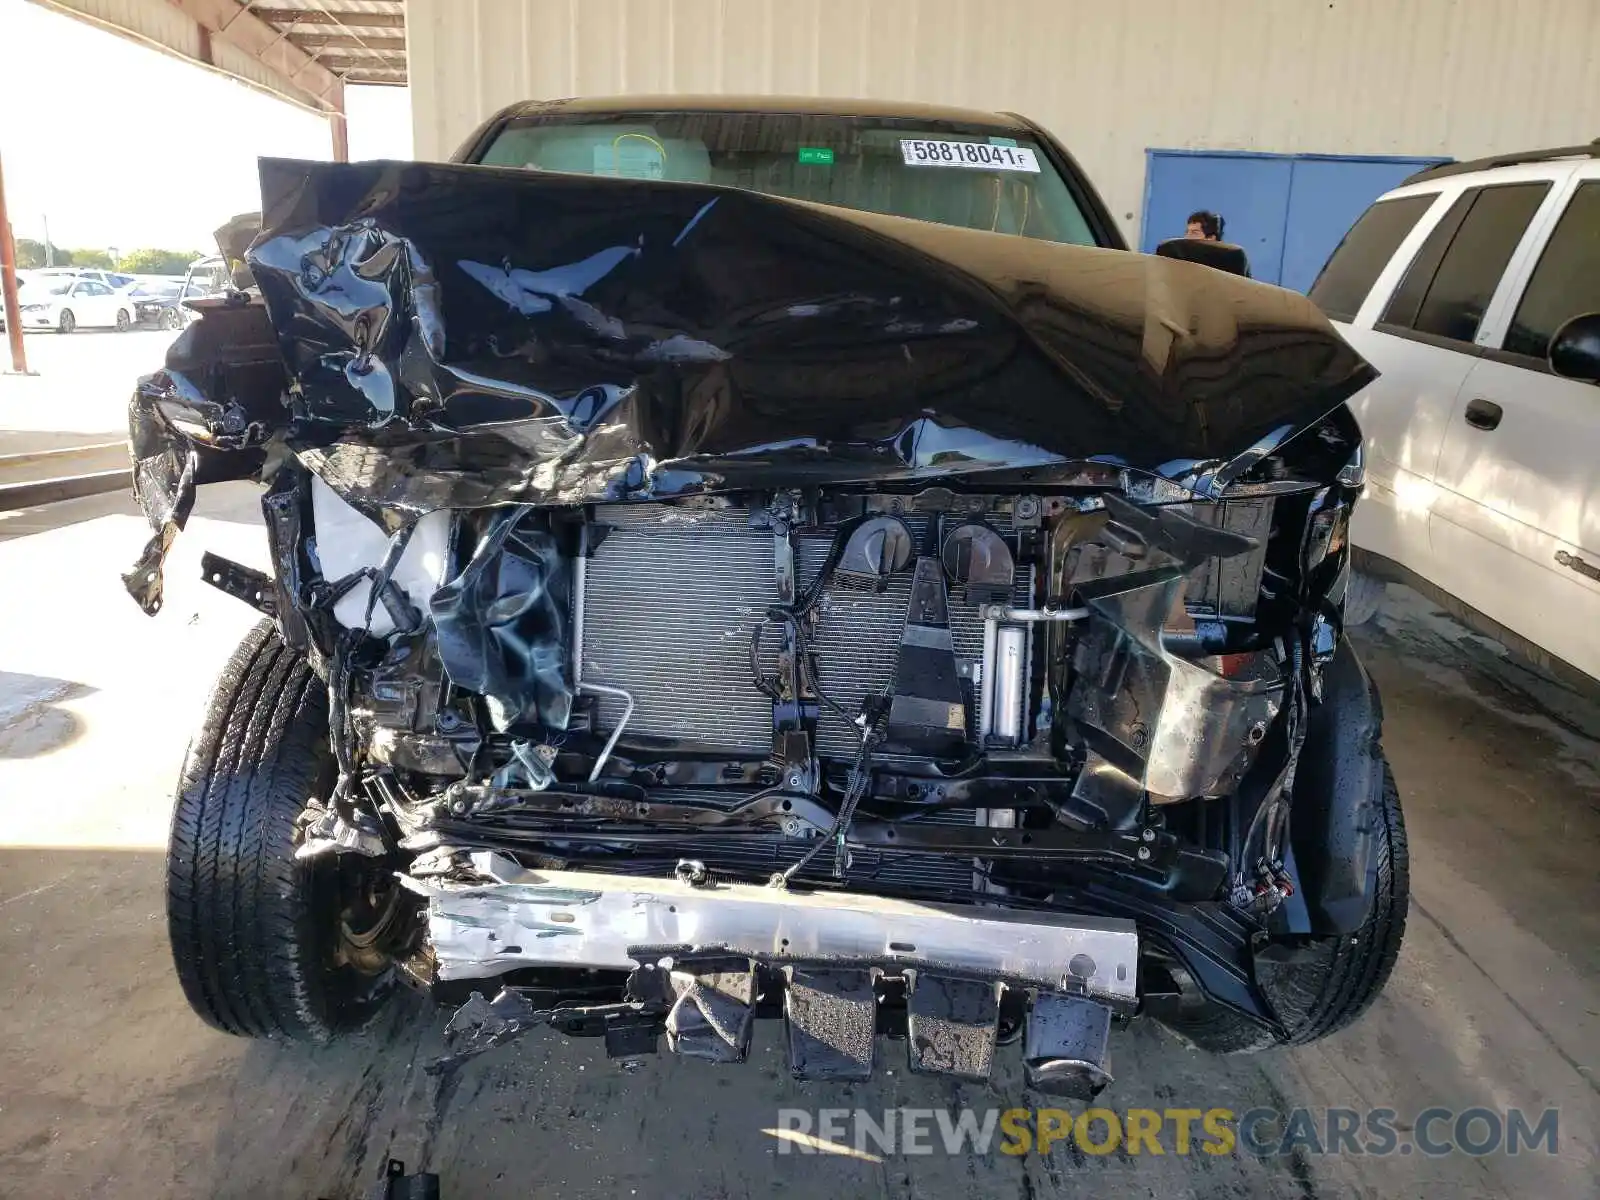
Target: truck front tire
{"x": 267, "y": 945}
{"x": 1318, "y": 985}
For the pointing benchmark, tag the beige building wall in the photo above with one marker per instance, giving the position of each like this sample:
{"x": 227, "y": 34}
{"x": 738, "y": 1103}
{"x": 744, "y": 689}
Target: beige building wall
{"x": 1407, "y": 77}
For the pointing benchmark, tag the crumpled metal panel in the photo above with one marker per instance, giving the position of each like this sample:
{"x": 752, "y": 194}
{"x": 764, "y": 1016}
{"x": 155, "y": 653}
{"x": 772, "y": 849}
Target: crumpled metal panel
{"x": 501, "y": 624}
{"x": 204, "y": 417}
{"x": 461, "y": 336}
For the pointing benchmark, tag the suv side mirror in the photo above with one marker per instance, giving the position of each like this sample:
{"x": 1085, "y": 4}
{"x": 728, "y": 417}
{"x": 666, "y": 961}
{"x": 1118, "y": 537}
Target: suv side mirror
{"x": 1575, "y": 349}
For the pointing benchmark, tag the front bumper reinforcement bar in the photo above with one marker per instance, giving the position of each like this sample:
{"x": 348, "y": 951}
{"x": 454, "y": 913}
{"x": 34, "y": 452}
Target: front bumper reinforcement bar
{"x": 535, "y": 918}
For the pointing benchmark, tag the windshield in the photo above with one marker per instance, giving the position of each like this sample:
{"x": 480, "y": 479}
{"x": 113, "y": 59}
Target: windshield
{"x": 160, "y": 291}
{"x": 56, "y": 287}
{"x": 954, "y": 174}
{"x": 206, "y": 277}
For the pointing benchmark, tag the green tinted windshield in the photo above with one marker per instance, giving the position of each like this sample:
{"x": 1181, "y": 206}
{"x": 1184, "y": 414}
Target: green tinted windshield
{"x": 962, "y": 175}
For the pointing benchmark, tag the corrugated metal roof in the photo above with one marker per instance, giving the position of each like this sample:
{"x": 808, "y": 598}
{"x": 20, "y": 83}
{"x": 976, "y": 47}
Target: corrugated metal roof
{"x": 361, "y": 41}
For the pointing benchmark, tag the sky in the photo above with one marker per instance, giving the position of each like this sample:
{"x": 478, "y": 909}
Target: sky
{"x": 121, "y": 146}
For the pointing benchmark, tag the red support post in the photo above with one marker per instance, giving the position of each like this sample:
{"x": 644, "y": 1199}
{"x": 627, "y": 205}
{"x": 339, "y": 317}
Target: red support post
{"x": 8, "y": 285}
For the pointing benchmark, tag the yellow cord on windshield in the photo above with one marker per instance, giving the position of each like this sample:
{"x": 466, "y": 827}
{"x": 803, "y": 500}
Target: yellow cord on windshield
{"x": 616, "y": 156}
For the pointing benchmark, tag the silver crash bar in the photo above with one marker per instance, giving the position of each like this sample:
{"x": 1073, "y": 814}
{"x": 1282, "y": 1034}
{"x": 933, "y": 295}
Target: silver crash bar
{"x": 529, "y": 918}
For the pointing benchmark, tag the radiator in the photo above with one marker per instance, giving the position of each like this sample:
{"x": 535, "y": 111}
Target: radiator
{"x": 673, "y": 595}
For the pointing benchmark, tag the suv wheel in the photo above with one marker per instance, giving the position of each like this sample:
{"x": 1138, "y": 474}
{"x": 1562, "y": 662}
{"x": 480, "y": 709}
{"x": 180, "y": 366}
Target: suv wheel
{"x": 1319, "y": 985}
{"x": 66, "y": 323}
{"x": 267, "y": 945}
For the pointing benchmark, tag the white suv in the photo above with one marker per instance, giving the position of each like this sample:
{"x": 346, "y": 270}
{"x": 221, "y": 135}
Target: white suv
{"x": 1475, "y": 289}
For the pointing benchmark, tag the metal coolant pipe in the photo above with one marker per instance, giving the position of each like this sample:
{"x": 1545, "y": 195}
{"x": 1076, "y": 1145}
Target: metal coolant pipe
{"x": 601, "y": 689}
{"x": 1000, "y": 612}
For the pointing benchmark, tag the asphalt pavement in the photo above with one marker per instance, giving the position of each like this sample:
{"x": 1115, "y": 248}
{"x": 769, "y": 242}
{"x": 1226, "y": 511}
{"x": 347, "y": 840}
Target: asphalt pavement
{"x": 110, "y": 1087}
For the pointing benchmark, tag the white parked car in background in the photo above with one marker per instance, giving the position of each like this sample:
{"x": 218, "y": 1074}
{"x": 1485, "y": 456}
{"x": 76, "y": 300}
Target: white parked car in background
{"x": 114, "y": 280}
{"x": 67, "y": 302}
{"x": 1475, "y": 289}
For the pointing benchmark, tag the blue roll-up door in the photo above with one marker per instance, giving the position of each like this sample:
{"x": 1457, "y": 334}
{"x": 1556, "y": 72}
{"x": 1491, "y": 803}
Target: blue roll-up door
{"x": 1251, "y": 191}
{"x": 1287, "y": 211}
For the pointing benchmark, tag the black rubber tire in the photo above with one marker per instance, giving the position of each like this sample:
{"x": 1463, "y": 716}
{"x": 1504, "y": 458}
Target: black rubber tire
{"x": 66, "y": 323}
{"x": 1318, "y": 986}
{"x": 254, "y": 931}
{"x": 124, "y": 321}
{"x": 170, "y": 318}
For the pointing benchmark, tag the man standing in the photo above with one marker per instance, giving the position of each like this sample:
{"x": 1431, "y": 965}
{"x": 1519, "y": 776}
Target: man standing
{"x": 1204, "y": 227}
{"x": 1202, "y": 243}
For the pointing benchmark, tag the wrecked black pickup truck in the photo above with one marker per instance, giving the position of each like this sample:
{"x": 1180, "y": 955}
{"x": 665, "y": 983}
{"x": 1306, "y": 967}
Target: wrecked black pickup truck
{"x": 697, "y": 597}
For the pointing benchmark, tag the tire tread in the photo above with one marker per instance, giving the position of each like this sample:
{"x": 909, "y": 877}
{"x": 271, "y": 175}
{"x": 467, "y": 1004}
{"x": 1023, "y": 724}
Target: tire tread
{"x": 243, "y": 914}
{"x": 1332, "y": 980}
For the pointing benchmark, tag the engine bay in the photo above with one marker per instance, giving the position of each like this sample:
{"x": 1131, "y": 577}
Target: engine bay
{"x": 926, "y": 694}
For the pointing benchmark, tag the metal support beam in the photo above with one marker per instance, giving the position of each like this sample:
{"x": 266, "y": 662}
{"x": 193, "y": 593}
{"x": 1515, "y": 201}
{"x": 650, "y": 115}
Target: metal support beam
{"x": 304, "y": 78}
{"x": 341, "y": 41}
{"x": 341, "y": 63}
{"x": 339, "y": 127}
{"x": 330, "y": 16}
{"x": 8, "y": 285}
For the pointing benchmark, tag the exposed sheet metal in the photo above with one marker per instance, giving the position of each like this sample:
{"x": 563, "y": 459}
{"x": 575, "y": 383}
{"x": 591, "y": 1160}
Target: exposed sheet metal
{"x": 531, "y": 918}
{"x": 460, "y": 336}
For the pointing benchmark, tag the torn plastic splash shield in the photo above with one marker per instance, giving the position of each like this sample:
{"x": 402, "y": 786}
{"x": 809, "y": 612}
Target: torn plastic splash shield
{"x": 461, "y": 336}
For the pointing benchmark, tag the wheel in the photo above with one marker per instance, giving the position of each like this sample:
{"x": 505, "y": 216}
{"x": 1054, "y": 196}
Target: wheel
{"x": 1319, "y": 985}
{"x": 266, "y": 945}
{"x": 1363, "y": 597}
{"x": 170, "y": 318}
{"x": 124, "y": 321}
{"x": 66, "y": 323}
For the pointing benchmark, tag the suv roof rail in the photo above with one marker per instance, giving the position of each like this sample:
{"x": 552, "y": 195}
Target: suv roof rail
{"x": 1592, "y": 150}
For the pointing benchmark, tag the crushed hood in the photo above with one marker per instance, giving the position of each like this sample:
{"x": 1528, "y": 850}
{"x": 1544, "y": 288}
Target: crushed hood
{"x": 462, "y": 335}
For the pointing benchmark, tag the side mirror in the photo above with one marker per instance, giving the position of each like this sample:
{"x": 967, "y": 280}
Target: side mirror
{"x": 1575, "y": 349}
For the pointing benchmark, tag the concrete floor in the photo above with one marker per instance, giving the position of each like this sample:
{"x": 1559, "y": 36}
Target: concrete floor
{"x": 110, "y": 1087}
{"x": 79, "y": 383}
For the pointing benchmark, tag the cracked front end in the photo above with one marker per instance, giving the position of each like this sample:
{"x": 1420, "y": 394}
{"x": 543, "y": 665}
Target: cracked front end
{"x": 726, "y": 602}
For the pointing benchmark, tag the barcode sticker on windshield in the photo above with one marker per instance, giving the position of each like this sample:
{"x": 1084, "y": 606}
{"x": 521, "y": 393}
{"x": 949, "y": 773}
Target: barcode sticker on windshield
{"x": 920, "y": 152}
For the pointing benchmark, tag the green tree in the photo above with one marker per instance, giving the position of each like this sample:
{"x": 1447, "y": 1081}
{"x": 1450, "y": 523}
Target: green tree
{"x": 31, "y": 255}
{"x": 86, "y": 258}
{"x": 158, "y": 262}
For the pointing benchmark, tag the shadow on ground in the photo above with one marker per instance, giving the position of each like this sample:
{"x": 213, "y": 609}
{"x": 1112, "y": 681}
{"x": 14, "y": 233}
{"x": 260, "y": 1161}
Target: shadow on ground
{"x": 32, "y": 721}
